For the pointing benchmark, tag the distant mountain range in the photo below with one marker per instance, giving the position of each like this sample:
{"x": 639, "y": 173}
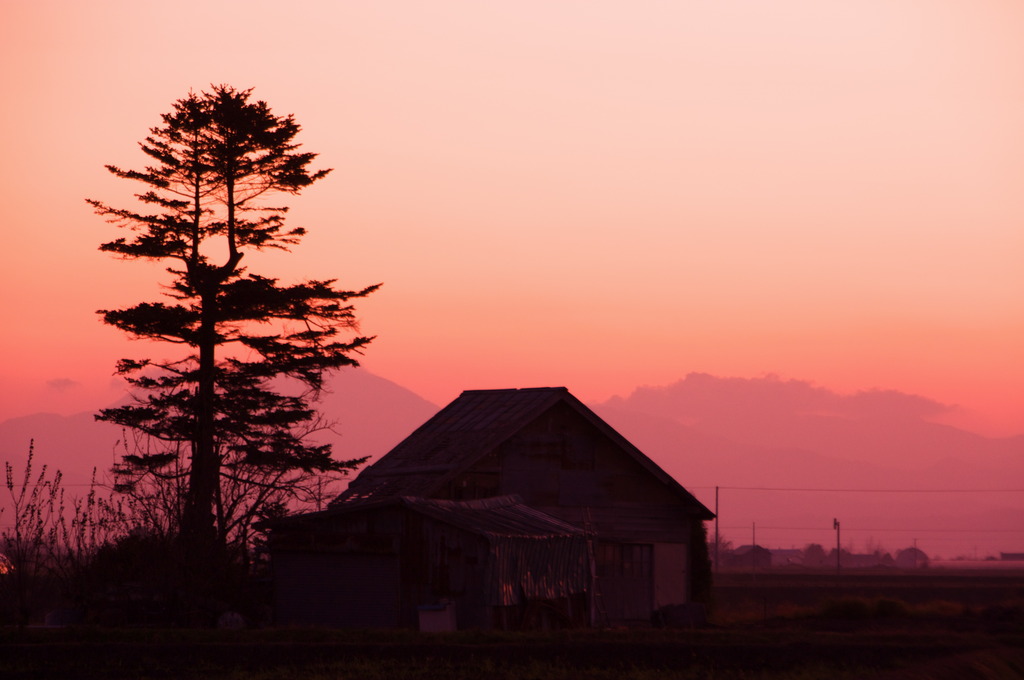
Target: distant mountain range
{"x": 368, "y": 416}
{"x": 788, "y": 457}
{"x": 766, "y": 430}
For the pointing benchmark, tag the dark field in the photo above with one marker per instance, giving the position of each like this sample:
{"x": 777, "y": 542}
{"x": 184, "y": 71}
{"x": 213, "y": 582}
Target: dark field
{"x": 746, "y": 595}
{"x": 772, "y": 626}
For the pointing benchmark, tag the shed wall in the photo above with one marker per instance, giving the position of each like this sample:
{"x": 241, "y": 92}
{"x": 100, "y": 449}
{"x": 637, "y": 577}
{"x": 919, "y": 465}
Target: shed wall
{"x": 337, "y": 590}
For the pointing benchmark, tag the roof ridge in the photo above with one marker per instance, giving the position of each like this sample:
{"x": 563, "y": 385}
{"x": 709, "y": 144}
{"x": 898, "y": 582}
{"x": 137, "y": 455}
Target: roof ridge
{"x": 517, "y": 389}
{"x": 490, "y": 503}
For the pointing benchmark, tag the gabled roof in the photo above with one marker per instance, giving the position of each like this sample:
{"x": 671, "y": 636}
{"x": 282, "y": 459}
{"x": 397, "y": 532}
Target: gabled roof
{"x": 745, "y": 549}
{"x": 471, "y": 427}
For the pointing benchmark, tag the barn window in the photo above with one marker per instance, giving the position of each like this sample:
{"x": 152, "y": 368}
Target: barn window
{"x": 474, "y": 485}
{"x": 630, "y": 560}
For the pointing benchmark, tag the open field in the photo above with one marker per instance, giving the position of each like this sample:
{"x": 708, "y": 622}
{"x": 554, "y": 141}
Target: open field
{"x": 744, "y": 595}
{"x": 869, "y": 625}
{"x": 629, "y": 655}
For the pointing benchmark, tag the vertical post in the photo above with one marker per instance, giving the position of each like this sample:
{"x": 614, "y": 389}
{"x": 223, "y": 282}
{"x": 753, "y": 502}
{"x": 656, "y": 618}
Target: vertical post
{"x": 716, "y": 530}
{"x": 839, "y": 551}
{"x": 753, "y": 548}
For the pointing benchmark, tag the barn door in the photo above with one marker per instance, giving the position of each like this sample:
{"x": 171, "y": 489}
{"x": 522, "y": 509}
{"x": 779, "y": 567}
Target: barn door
{"x": 624, "y": 581}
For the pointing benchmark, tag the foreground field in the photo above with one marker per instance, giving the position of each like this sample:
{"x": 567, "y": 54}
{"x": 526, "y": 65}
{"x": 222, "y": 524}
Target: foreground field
{"x": 318, "y": 655}
{"x": 781, "y": 627}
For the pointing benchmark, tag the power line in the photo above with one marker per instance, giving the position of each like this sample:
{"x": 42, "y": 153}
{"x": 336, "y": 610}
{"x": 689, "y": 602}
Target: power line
{"x": 847, "y": 490}
{"x": 880, "y": 530}
{"x": 782, "y": 488}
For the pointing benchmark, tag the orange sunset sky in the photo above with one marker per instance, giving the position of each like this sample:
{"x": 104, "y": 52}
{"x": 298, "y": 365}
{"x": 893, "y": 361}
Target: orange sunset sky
{"x": 594, "y": 194}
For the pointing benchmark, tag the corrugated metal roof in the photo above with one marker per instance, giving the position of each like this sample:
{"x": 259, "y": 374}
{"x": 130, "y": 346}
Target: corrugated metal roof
{"x": 499, "y": 516}
{"x": 456, "y": 437}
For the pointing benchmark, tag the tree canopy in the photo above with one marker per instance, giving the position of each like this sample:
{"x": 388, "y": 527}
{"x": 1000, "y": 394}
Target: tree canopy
{"x": 226, "y": 418}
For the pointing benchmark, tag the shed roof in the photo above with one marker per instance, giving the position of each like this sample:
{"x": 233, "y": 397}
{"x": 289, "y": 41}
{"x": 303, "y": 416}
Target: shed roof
{"x": 469, "y": 428}
{"x": 497, "y": 517}
{"x": 501, "y": 516}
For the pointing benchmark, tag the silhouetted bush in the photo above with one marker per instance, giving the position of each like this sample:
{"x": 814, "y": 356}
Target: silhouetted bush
{"x": 700, "y": 564}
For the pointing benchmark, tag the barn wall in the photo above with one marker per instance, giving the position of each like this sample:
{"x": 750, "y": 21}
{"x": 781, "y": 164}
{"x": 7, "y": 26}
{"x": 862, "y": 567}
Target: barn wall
{"x": 624, "y": 582}
{"x": 670, "y": 574}
{"x": 341, "y": 571}
{"x": 441, "y": 562}
{"x": 562, "y": 465}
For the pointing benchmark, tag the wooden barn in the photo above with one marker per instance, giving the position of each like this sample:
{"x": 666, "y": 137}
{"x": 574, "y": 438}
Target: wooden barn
{"x": 508, "y": 508}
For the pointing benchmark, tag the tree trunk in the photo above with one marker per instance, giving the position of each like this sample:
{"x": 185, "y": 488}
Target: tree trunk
{"x": 197, "y": 523}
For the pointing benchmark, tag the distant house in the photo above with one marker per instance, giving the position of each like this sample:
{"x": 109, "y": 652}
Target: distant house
{"x": 748, "y": 556}
{"x": 508, "y": 508}
{"x": 911, "y": 558}
{"x": 787, "y": 557}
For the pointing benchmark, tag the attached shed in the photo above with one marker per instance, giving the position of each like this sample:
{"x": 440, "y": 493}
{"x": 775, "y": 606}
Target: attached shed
{"x": 495, "y": 563}
{"x": 644, "y": 531}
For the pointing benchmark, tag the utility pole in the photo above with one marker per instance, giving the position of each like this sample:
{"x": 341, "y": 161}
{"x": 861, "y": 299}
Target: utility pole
{"x": 839, "y": 551}
{"x": 753, "y": 549}
{"x": 716, "y": 531}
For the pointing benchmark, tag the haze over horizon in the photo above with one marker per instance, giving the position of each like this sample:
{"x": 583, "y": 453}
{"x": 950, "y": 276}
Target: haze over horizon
{"x": 787, "y": 456}
{"x": 929, "y": 409}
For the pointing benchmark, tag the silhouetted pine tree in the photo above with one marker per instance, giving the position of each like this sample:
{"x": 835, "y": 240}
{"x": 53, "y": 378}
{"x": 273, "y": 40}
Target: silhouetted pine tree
{"x": 233, "y": 407}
